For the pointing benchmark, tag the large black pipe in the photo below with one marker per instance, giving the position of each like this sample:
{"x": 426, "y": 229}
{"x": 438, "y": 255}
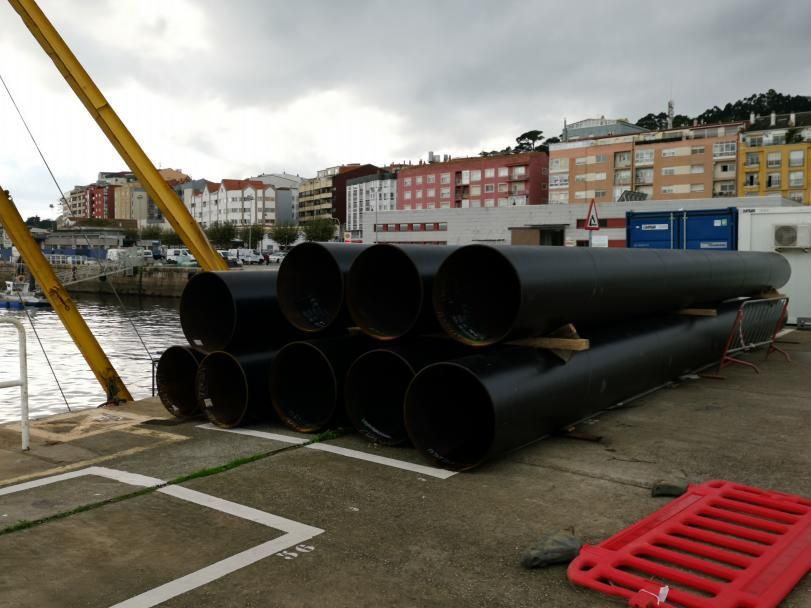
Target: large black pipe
{"x": 463, "y": 412}
{"x": 233, "y": 389}
{"x": 389, "y": 289}
{"x": 175, "y": 379}
{"x": 377, "y": 381}
{"x": 235, "y": 311}
{"x": 311, "y": 285}
{"x": 307, "y": 379}
{"x": 483, "y": 295}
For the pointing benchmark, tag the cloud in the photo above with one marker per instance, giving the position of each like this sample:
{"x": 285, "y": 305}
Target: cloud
{"x": 227, "y": 89}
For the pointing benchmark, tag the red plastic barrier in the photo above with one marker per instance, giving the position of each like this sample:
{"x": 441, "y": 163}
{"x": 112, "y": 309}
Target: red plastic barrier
{"x": 720, "y": 545}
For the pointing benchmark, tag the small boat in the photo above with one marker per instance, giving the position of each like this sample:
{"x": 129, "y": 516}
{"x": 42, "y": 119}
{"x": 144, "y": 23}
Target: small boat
{"x": 18, "y": 294}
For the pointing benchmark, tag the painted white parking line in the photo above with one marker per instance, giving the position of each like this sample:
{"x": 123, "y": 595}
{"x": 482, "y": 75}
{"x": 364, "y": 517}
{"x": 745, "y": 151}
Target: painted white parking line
{"x": 259, "y": 434}
{"x": 295, "y": 532}
{"x": 334, "y": 449}
{"x": 389, "y": 462}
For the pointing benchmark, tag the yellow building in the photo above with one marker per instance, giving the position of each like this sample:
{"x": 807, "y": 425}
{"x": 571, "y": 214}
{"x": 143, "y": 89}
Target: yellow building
{"x": 774, "y": 156}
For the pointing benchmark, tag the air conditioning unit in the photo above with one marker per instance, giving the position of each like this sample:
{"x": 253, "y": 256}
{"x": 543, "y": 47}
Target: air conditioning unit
{"x": 792, "y": 235}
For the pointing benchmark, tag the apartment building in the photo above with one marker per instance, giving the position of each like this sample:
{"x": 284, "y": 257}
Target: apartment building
{"x": 368, "y": 194}
{"x": 591, "y": 128}
{"x": 324, "y": 196}
{"x": 234, "y": 201}
{"x": 774, "y": 156}
{"x": 505, "y": 180}
{"x": 690, "y": 162}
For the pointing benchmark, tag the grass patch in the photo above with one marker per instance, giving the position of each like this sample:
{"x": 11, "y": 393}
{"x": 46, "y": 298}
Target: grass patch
{"x": 331, "y": 434}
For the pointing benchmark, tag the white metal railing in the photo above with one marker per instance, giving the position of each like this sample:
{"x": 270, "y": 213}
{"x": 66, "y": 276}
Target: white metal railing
{"x": 22, "y": 381}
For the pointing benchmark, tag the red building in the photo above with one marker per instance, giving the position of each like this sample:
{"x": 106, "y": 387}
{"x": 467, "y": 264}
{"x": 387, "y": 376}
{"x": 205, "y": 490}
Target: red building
{"x": 490, "y": 181}
{"x": 100, "y": 200}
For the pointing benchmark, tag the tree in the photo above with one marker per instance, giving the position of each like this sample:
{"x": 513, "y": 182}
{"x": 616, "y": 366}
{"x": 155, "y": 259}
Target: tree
{"x": 552, "y": 140}
{"x": 320, "y": 229}
{"x": 170, "y": 237}
{"x": 221, "y": 235}
{"x": 527, "y": 141}
{"x": 285, "y": 234}
{"x": 252, "y": 234}
{"x": 151, "y": 233}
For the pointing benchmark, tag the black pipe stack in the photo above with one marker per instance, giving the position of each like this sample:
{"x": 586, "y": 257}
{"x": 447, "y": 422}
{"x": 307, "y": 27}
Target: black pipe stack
{"x": 467, "y": 396}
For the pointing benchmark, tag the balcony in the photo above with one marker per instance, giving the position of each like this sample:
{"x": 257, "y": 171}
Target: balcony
{"x": 518, "y": 178}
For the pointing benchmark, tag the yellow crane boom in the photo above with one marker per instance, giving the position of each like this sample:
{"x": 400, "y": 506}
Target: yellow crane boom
{"x": 61, "y": 301}
{"x": 118, "y": 134}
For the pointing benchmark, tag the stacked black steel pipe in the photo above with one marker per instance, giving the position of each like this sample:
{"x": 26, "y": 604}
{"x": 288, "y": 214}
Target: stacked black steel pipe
{"x": 466, "y": 396}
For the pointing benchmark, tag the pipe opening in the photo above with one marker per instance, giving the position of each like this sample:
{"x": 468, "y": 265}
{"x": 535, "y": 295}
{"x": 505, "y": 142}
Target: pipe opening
{"x": 175, "y": 379}
{"x": 303, "y": 387}
{"x": 222, "y": 389}
{"x": 477, "y": 295}
{"x": 206, "y": 299}
{"x": 385, "y": 294}
{"x": 310, "y": 287}
{"x": 375, "y": 389}
{"x": 449, "y": 415}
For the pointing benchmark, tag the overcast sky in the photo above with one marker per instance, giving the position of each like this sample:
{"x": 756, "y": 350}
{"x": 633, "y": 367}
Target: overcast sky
{"x": 231, "y": 89}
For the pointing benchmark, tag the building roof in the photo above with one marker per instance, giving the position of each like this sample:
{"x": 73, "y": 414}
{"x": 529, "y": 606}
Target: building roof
{"x": 781, "y": 121}
{"x": 241, "y": 184}
{"x": 513, "y": 158}
{"x": 599, "y": 127}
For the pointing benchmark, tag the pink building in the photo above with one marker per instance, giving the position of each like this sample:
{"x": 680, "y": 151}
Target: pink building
{"x": 490, "y": 181}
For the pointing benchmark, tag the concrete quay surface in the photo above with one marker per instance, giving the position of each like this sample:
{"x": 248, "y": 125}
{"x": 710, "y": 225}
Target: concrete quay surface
{"x": 264, "y": 518}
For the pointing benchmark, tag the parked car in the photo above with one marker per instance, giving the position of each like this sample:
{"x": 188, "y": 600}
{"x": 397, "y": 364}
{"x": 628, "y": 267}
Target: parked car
{"x": 277, "y": 257}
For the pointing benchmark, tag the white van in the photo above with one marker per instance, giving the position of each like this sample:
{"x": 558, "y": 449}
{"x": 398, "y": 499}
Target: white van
{"x": 179, "y": 256}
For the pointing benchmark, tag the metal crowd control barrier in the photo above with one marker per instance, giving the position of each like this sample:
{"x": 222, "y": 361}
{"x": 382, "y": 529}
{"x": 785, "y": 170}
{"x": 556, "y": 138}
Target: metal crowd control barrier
{"x": 22, "y": 381}
{"x": 757, "y": 324}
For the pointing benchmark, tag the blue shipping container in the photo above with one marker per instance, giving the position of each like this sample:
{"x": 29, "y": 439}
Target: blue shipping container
{"x": 698, "y": 229}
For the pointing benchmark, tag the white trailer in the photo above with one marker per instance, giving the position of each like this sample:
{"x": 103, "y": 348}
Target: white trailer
{"x": 786, "y": 230}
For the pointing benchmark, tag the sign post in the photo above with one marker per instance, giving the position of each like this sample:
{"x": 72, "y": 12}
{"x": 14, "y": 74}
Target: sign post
{"x": 592, "y": 222}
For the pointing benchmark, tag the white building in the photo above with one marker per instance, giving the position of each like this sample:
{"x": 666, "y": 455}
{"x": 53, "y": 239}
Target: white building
{"x": 234, "y": 201}
{"x": 368, "y": 195}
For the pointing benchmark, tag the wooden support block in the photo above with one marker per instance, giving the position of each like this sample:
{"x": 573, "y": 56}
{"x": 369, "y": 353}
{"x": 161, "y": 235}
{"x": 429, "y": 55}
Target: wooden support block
{"x": 575, "y": 344}
{"x": 699, "y": 312}
{"x": 772, "y": 294}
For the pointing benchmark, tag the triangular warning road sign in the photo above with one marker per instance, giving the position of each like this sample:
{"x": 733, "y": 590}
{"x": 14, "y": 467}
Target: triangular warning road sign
{"x": 592, "y": 221}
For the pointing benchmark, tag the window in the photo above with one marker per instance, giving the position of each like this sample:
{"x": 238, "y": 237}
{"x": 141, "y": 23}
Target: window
{"x": 403, "y": 227}
{"x": 390, "y": 227}
{"x": 755, "y": 141}
{"x": 796, "y": 196}
{"x": 442, "y": 226}
{"x": 726, "y": 168}
{"x": 726, "y": 188}
{"x": 581, "y": 160}
{"x": 503, "y": 171}
{"x": 492, "y": 172}
{"x": 796, "y": 178}
{"x": 796, "y": 158}
{"x": 430, "y": 179}
{"x": 419, "y": 194}
{"x": 600, "y": 193}
{"x": 774, "y": 159}
{"x": 668, "y": 171}
{"x": 751, "y": 180}
{"x": 489, "y": 187}
{"x": 601, "y": 158}
{"x": 430, "y": 193}
{"x": 622, "y": 159}
{"x": 752, "y": 159}
{"x": 622, "y": 177}
{"x": 489, "y": 202}
{"x": 475, "y": 190}
{"x": 725, "y": 148}
{"x": 644, "y": 176}
{"x": 503, "y": 202}
{"x": 778, "y": 139}
{"x": 696, "y": 187}
{"x": 667, "y": 190}
{"x": 429, "y": 227}
{"x": 519, "y": 171}
{"x": 474, "y": 202}
{"x": 416, "y": 227}
{"x": 406, "y": 181}
{"x": 407, "y": 195}
{"x": 556, "y": 164}
{"x": 555, "y": 181}
{"x": 668, "y": 152}
{"x": 559, "y": 197}
{"x": 445, "y": 178}
{"x": 502, "y": 187}
{"x": 444, "y": 193}
{"x": 643, "y": 157}
{"x": 697, "y": 169}
{"x": 695, "y": 150}
{"x": 476, "y": 176}
{"x": 773, "y": 180}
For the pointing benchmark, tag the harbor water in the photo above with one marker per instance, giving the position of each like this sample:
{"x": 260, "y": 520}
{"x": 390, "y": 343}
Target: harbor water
{"x": 158, "y": 324}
